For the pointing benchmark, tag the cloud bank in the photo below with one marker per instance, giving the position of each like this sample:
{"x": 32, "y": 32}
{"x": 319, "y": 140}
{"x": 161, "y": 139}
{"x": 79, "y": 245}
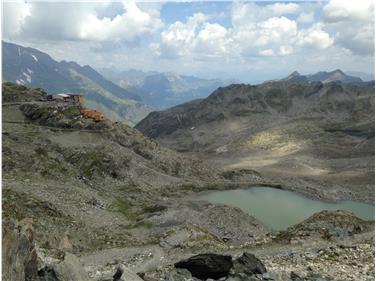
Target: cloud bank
{"x": 244, "y": 36}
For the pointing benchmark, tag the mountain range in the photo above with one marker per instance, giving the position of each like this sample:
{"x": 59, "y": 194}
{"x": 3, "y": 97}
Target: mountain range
{"x": 324, "y": 77}
{"x": 163, "y": 90}
{"x": 321, "y": 134}
{"x": 31, "y": 67}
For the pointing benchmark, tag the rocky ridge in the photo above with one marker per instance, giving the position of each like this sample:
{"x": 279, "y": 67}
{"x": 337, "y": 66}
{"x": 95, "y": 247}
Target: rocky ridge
{"x": 315, "y": 136}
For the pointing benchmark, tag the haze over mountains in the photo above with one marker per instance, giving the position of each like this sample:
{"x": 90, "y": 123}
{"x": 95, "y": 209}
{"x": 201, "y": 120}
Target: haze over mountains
{"x": 123, "y": 95}
{"x": 163, "y": 90}
{"x": 127, "y": 95}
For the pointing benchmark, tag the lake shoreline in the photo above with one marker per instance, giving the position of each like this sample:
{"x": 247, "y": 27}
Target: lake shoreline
{"x": 247, "y": 199}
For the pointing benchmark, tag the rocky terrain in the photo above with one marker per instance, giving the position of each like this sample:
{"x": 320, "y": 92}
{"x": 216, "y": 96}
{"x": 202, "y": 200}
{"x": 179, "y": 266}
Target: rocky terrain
{"x": 85, "y": 200}
{"x": 313, "y": 137}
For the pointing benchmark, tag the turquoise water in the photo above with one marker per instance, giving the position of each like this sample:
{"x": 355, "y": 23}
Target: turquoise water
{"x": 280, "y": 209}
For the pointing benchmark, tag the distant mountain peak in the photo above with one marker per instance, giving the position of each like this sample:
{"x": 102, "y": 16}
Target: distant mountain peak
{"x": 324, "y": 76}
{"x": 295, "y": 73}
{"x": 295, "y": 76}
{"x": 339, "y": 71}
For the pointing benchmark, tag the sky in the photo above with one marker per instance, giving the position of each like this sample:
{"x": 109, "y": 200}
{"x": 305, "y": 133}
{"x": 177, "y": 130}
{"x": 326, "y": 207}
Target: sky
{"x": 241, "y": 40}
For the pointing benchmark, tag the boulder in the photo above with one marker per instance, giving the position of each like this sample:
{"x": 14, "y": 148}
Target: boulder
{"x": 179, "y": 274}
{"x": 18, "y": 252}
{"x": 206, "y": 266}
{"x": 124, "y": 274}
{"x": 248, "y": 264}
{"x": 70, "y": 269}
{"x": 47, "y": 273}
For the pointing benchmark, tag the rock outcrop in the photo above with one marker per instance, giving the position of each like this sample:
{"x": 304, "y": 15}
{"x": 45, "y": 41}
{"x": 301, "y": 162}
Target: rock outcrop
{"x": 206, "y": 266}
{"x": 19, "y": 257}
{"x": 328, "y": 225}
{"x": 248, "y": 264}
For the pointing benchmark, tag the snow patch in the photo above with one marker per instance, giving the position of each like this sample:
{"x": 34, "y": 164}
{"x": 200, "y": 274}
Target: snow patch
{"x": 34, "y": 57}
{"x": 27, "y": 76}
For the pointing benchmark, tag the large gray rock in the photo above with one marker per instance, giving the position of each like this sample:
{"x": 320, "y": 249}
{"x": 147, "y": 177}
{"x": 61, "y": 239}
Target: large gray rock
{"x": 179, "y": 274}
{"x": 248, "y": 264}
{"x": 206, "y": 266}
{"x": 124, "y": 274}
{"x": 18, "y": 253}
{"x": 70, "y": 269}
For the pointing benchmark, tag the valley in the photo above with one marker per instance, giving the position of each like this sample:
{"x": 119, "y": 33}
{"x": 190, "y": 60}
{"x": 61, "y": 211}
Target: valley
{"x": 188, "y": 140}
{"x": 101, "y": 196}
{"x": 126, "y": 96}
{"x": 164, "y": 90}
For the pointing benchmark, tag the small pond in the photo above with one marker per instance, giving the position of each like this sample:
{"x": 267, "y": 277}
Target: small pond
{"x": 280, "y": 209}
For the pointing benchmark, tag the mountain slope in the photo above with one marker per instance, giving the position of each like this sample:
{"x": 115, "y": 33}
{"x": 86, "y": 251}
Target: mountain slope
{"x": 282, "y": 129}
{"x": 28, "y": 66}
{"x": 90, "y": 181}
{"x": 324, "y": 77}
{"x": 163, "y": 90}
{"x": 362, "y": 75}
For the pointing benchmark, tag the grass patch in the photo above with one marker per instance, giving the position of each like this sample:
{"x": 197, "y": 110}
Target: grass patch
{"x": 145, "y": 224}
{"x": 125, "y": 208}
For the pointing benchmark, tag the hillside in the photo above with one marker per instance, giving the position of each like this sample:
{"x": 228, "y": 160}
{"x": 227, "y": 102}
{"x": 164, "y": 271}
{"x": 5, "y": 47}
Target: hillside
{"x": 89, "y": 180}
{"x": 163, "y": 90}
{"x": 313, "y": 137}
{"x": 30, "y": 67}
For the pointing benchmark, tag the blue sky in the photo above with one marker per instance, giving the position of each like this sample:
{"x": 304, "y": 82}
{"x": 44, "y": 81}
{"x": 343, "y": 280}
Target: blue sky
{"x": 246, "y": 41}
{"x": 218, "y": 11}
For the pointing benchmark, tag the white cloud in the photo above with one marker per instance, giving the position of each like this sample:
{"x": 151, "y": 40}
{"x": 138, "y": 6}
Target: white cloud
{"x": 213, "y": 38}
{"x": 306, "y": 17}
{"x": 14, "y": 15}
{"x": 247, "y": 36}
{"x": 195, "y": 36}
{"x": 244, "y": 13}
{"x": 314, "y": 37}
{"x": 80, "y": 21}
{"x": 282, "y": 8}
{"x": 256, "y": 31}
{"x": 127, "y": 26}
{"x": 285, "y": 50}
{"x": 347, "y": 10}
{"x": 352, "y": 24}
{"x": 267, "y": 53}
{"x": 274, "y": 36}
{"x": 179, "y": 37}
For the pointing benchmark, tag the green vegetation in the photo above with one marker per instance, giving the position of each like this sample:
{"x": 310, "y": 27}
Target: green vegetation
{"x": 125, "y": 208}
{"x": 136, "y": 218}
